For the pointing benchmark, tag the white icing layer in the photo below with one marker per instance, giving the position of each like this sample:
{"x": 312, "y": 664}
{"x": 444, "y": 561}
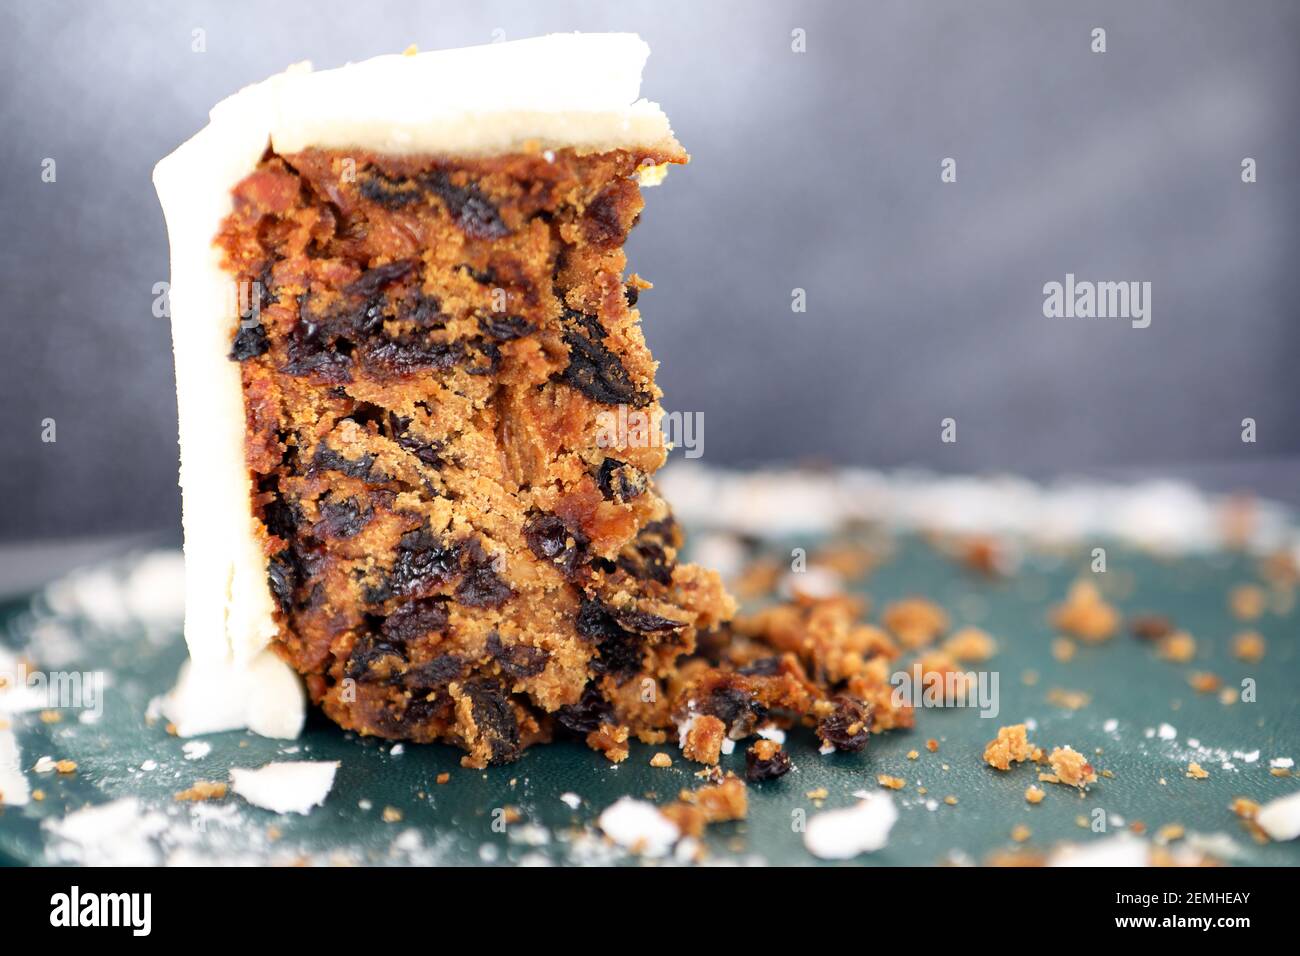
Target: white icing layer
{"x": 564, "y": 90}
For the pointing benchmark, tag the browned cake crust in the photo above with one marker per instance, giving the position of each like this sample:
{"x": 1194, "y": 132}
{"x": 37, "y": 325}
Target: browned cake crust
{"x": 457, "y": 550}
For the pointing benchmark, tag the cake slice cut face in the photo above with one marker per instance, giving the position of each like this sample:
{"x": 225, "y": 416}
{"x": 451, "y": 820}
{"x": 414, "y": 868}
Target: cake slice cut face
{"x": 399, "y": 474}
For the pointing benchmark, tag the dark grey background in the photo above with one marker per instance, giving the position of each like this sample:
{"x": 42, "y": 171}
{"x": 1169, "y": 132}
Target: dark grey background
{"x": 818, "y": 171}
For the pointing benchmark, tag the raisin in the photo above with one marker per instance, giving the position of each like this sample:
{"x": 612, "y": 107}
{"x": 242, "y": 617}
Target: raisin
{"x": 735, "y": 707}
{"x": 494, "y": 718}
{"x": 327, "y": 459}
{"x": 593, "y": 369}
{"x": 309, "y": 357}
{"x": 847, "y": 727}
{"x": 341, "y": 519}
{"x": 485, "y": 277}
{"x": 758, "y": 769}
{"x": 367, "y": 652}
{"x": 602, "y": 220}
{"x": 250, "y": 342}
{"x": 408, "y": 354}
{"x": 389, "y": 192}
{"x": 422, "y": 562}
{"x": 620, "y": 651}
{"x": 481, "y": 586}
{"x": 619, "y": 481}
{"x": 489, "y": 350}
{"x": 632, "y": 294}
{"x": 503, "y": 328}
{"x": 434, "y": 675}
{"x": 763, "y": 667}
{"x": 517, "y": 661}
{"x": 588, "y": 713}
{"x": 414, "y": 620}
{"x": 374, "y": 279}
{"x": 549, "y": 539}
{"x": 646, "y": 623}
{"x": 282, "y": 575}
{"x": 473, "y": 213}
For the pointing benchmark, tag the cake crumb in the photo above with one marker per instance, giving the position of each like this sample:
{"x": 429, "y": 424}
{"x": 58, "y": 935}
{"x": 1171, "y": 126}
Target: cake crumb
{"x": 66, "y": 766}
{"x": 1011, "y": 746}
{"x": 1249, "y": 646}
{"x": 702, "y": 741}
{"x": 821, "y": 793}
{"x": 912, "y": 755}
{"x": 442, "y": 778}
{"x": 1203, "y": 682}
{"x": 1071, "y": 768}
{"x": 950, "y": 800}
{"x": 1085, "y": 614}
{"x": 893, "y": 783}
{"x": 970, "y": 644}
{"x": 1170, "y": 832}
{"x": 932, "y": 745}
{"x": 1247, "y": 601}
{"x": 1020, "y": 833}
{"x": 202, "y": 790}
{"x": 1068, "y": 699}
{"x": 1063, "y": 649}
{"x": 392, "y": 815}
{"x": 1244, "y": 807}
{"x": 1035, "y": 794}
{"x": 611, "y": 741}
{"x": 915, "y": 621}
{"x": 1178, "y": 647}
{"x": 661, "y": 760}
{"x": 1196, "y": 771}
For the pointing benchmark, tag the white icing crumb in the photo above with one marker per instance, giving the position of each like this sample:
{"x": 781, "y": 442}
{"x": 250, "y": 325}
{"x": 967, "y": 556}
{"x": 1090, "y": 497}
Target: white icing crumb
{"x": 826, "y": 748}
{"x": 1281, "y": 763}
{"x": 149, "y": 765}
{"x": 683, "y": 729}
{"x": 44, "y": 765}
{"x": 197, "y": 749}
{"x": 1168, "y": 732}
{"x": 843, "y": 834}
{"x": 728, "y": 745}
{"x": 1121, "y": 850}
{"x": 364, "y": 804}
{"x": 1193, "y": 742}
{"x": 813, "y": 582}
{"x": 1247, "y": 757}
{"x": 396, "y": 750}
{"x": 773, "y": 733}
{"x": 639, "y": 826}
{"x": 118, "y": 833}
{"x": 14, "y": 789}
{"x": 285, "y": 787}
{"x": 1110, "y": 726}
{"x": 1280, "y": 818}
{"x": 530, "y": 834}
{"x": 489, "y": 853}
{"x": 572, "y": 799}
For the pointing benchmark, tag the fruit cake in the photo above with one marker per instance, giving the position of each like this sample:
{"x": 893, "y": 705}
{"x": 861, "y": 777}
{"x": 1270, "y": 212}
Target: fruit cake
{"x": 402, "y": 321}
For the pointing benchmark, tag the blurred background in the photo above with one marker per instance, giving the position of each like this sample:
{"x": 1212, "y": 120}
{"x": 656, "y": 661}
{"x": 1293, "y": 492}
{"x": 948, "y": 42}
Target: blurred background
{"x": 817, "y": 170}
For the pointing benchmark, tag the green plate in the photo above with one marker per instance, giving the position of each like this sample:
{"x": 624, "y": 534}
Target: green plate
{"x": 1131, "y": 692}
